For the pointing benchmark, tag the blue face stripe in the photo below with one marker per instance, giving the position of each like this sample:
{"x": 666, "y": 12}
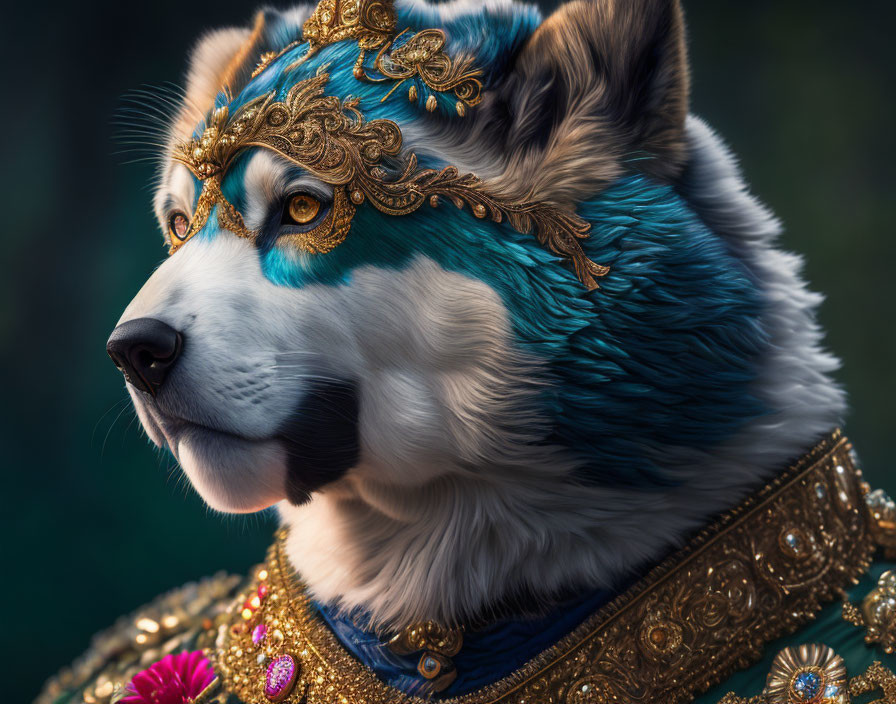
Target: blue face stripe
{"x": 664, "y": 354}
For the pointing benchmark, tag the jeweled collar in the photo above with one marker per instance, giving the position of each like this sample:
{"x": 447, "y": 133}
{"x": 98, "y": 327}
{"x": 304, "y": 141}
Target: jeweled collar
{"x": 757, "y": 573}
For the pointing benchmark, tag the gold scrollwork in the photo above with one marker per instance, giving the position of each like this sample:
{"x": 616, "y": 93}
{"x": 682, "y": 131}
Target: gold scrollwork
{"x": 372, "y": 23}
{"x": 422, "y": 55}
{"x": 330, "y": 139}
{"x": 428, "y": 635}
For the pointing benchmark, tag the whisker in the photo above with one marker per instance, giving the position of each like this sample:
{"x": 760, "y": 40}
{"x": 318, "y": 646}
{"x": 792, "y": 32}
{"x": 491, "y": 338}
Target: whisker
{"x": 139, "y": 105}
{"x": 142, "y": 143}
{"x": 152, "y": 95}
{"x": 139, "y": 160}
{"x": 114, "y": 406}
{"x": 109, "y": 431}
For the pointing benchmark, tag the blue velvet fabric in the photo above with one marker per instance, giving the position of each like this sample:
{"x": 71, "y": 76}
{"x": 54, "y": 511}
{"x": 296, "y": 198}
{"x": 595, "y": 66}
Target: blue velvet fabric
{"x": 488, "y": 654}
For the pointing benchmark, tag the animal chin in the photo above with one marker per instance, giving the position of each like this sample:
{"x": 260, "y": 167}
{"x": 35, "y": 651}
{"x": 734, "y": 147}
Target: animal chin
{"x": 232, "y": 474}
{"x": 315, "y": 446}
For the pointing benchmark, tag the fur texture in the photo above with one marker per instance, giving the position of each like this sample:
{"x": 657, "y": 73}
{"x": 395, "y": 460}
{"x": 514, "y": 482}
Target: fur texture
{"x": 610, "y": 72}
{"x": 518, "y": 435}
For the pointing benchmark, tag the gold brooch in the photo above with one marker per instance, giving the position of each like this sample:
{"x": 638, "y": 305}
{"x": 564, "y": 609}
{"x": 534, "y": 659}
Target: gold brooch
{"x": 372, "y": 23}
{"x": 332, "y": 141}
{"x": 815, "y": 674}
{"x": 438, "y": 645}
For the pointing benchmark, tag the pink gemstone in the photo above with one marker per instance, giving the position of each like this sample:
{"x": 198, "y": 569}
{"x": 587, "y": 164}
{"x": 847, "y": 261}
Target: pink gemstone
{"x": 263, "y": 591}
{"x": 259, "y": 633}
{"x": 281, "y": 678}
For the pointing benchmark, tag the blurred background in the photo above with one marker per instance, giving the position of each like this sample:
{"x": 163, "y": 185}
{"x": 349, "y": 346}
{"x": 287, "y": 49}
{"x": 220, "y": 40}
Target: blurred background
{"x": 95, "y": 521}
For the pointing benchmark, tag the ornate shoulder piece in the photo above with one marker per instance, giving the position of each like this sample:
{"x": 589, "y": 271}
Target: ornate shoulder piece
{"x": 329, "y": 138}
{"x": 372, "y": 23}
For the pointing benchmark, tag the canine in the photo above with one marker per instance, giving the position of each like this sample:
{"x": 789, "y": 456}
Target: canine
{"x": 454, "y": 423}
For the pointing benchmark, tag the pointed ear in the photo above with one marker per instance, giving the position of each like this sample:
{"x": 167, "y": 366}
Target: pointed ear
{"x": 216, "y": 60}
{"x": 599, "y": 90}
{"x": 225, "y": 58}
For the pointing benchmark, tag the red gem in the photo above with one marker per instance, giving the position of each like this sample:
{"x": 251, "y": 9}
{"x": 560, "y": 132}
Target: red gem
{"x": 263, "y": 591}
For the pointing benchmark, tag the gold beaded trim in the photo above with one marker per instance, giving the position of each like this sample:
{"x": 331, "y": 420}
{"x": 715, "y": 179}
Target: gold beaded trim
{"x": 758, "y": 573}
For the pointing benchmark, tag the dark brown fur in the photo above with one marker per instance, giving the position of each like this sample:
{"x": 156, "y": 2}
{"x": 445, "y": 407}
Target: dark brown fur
{"x": 600, "y": 89}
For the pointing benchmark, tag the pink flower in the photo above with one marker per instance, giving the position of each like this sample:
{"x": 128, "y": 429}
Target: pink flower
{"x": 175, "y": 679}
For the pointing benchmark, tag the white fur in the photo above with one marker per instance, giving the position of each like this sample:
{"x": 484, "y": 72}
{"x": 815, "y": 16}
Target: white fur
{"x": 449, "y": 507}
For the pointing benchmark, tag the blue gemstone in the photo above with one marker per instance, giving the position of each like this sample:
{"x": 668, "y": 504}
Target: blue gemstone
{"x": 807, "y": 685}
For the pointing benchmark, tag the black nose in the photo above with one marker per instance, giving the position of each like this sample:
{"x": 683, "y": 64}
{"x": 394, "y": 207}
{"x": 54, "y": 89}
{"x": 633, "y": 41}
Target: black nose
{"x": 145, "y": 350}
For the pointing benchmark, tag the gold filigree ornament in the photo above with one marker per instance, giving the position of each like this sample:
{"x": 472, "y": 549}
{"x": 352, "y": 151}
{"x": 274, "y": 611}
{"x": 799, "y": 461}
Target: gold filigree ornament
{"x": 815, "y": 674}
{"x": 422, "y": 56}
{"x": 331, "y": 140}
{"x": 877, "y": 613}
{"x": 372, "y": 23}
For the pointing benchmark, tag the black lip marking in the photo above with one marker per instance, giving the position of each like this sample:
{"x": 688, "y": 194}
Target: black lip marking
{"x": 322, "y": 440}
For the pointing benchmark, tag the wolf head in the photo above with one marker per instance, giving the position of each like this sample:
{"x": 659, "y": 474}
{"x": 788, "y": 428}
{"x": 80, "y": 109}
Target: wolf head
{"x": 446, "y": 412}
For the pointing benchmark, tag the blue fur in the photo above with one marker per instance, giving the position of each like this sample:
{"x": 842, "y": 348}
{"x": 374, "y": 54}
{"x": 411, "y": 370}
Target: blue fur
{"x": 664, "y": 354}
{"x": 493, "y": 36}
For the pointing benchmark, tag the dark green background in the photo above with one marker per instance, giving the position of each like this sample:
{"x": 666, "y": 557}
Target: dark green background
{"x": 95, "y": 521}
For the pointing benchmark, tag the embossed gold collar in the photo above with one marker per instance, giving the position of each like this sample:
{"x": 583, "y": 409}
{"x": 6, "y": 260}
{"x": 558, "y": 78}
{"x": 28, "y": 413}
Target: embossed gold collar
{"x": 757, "y": 573}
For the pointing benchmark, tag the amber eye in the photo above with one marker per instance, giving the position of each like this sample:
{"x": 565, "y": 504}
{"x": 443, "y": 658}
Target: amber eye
{"x": 302, "y": 208}
{"x": 178, "y": 225}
